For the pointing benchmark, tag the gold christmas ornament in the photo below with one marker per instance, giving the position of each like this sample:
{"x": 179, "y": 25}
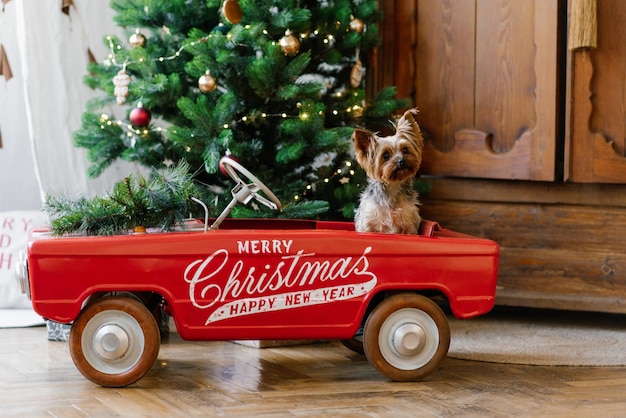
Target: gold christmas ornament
{"x": 231, "y": 10}
{"x": 356, "y": 75}
{"x": 289, "y": 44}
{"x": 207, "y": 82}
{"x": 357, "y": 111}
{"x": 357, "y": 25}
{"x": 137, "y": 40}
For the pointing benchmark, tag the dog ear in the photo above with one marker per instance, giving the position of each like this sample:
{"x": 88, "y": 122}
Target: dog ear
{"x": 362, "y": 140}
{"x": 408, "y": 128}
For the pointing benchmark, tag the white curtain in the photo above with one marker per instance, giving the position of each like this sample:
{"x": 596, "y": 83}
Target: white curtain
{"x": 19, "y": 188}
{"x": 43, "y": 103}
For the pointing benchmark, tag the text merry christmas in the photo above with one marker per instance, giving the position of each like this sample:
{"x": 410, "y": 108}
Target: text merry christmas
{"x": 294, "y": 280}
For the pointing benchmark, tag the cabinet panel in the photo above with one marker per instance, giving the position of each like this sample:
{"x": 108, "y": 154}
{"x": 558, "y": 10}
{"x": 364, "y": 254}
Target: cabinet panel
{"x": 598, "y": 101}
{"x": 445, "y": 69}
{"x": 487, "y": 87}
{"x": 552, "y": 255}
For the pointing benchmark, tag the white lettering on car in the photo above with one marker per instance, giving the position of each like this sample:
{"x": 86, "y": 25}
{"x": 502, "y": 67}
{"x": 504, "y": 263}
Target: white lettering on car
{"x": 294, "y": 280}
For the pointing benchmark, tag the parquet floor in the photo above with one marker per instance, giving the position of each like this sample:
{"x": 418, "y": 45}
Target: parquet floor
{"x": 38, "y": 379}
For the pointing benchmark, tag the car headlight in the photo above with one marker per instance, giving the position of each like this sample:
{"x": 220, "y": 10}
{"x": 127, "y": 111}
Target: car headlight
{"x": 21, "y": 273}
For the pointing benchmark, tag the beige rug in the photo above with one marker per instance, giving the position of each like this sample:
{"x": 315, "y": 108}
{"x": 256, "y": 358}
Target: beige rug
{"x": 540, "y": 337}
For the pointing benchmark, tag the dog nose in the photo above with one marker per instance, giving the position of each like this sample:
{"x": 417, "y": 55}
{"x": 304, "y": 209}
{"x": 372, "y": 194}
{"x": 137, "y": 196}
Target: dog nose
{"x": 401, "y": 163}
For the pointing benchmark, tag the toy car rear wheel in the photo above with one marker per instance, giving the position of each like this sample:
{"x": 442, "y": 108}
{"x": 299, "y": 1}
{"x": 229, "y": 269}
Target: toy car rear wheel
{"x": 406, "y": 337}
{"x": 114, "y": 341}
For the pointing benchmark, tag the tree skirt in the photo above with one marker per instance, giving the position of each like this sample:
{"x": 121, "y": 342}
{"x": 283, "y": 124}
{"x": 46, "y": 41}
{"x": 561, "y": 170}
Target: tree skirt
{"x": 540, "y": 337}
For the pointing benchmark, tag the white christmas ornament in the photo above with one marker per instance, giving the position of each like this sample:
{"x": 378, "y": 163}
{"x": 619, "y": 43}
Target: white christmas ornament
{"x": 121, "y": 82}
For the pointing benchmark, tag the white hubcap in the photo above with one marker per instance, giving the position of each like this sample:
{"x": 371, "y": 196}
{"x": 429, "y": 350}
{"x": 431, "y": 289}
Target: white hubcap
{"x": 409, "y": 339}
{"x": 111, "y": 342}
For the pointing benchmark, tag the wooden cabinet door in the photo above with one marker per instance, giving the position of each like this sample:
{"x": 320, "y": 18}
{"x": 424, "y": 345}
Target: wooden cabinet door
{"x": 486, "y": 86}
{"x": 598, "y": 101}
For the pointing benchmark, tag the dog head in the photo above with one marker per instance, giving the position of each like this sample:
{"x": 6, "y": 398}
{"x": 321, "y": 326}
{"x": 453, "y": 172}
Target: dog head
{"x": 393, "y": 158}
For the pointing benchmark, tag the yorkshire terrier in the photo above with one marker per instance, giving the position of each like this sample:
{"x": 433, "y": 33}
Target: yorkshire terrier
{"x": 389, "y": 203}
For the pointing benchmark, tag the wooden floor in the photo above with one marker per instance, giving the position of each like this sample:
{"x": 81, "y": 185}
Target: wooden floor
{"x": 38, "y": 379}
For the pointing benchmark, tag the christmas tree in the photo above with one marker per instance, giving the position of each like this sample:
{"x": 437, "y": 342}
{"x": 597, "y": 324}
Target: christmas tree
{"x": 279, "y": 84}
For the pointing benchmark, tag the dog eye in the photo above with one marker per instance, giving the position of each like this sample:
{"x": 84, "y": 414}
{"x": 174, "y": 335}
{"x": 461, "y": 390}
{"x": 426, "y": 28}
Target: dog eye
{"x": 405, "y": 150}
{"x": 386, "y": 156}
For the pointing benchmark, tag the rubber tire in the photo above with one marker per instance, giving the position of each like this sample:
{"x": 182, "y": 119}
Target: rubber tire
{"x": 416, "y": 311}
{"x": 131, "y": 318}
{"x": 354, "y": 344}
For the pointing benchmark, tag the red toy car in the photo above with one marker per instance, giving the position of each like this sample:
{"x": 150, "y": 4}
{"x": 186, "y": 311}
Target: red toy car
{"x": 259, "y": 279}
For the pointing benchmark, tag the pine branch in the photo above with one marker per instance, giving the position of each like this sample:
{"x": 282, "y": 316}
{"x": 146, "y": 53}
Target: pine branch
{"x": 163, "y": 201}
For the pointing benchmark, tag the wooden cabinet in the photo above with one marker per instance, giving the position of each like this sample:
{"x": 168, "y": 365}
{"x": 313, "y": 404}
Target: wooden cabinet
{"x": 526, "y": 140}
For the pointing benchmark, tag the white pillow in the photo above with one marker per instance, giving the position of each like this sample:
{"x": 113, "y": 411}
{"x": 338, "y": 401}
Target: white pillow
{"x": 14, "y": 229}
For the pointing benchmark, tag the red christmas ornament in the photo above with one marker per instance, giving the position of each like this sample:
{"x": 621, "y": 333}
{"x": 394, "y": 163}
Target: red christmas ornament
{"x": 140, "y": 117}
{"x": 222, "y": 168}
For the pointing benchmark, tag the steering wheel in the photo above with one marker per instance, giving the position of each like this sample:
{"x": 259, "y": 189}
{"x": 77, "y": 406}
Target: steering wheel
{"x": 246, "y": 192}
{"x": 242, "y": 192}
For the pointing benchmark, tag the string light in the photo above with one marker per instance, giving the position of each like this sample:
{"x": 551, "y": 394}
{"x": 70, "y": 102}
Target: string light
{"x": 112, "y": 58}
{"x": 106, "y": 120}
{"x": 346, "y": 175}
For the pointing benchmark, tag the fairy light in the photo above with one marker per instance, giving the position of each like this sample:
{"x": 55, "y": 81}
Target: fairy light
{"x": 327, "y": 40}
{"x": 347, "y": 174}
{"x": 304, "y": 116}
{"x": 175, "y": 55}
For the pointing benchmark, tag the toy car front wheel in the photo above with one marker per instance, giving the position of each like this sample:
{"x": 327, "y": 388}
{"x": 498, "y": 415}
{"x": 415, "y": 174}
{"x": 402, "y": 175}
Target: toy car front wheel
{"x": 114, "y": 341}
{"x": 406, "y": 337}
{"x": 355, "y": 344}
